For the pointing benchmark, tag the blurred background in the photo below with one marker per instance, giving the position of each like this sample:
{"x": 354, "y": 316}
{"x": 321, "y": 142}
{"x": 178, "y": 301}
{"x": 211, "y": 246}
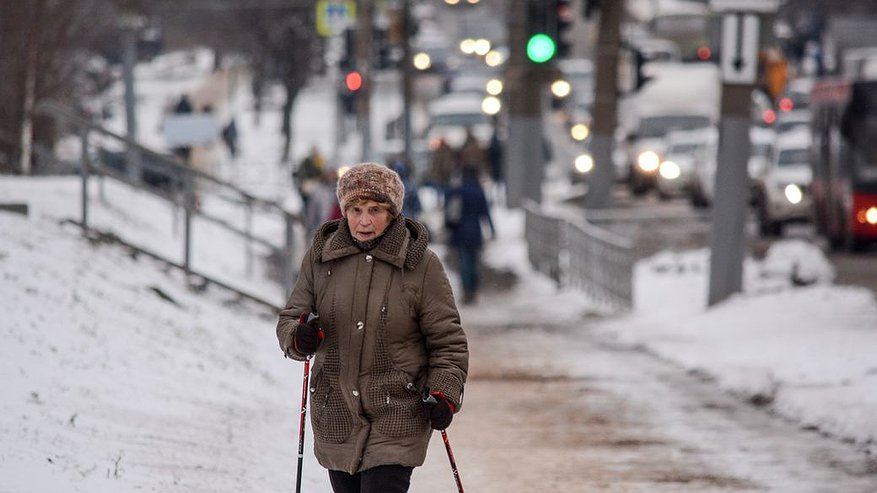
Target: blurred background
{"x": 607, "y": 110}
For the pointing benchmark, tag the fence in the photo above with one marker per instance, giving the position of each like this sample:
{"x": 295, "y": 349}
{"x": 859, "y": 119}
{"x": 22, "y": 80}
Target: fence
{"x": 579, "y": 254}
{"x": 107, "y": 154}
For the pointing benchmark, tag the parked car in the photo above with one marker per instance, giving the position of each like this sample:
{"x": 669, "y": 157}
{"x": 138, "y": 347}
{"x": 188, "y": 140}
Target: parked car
{"x": 783, "y": 191}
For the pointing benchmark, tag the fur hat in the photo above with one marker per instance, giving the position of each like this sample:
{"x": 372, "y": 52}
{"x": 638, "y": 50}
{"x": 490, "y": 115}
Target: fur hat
{"x": 370, "y": 181}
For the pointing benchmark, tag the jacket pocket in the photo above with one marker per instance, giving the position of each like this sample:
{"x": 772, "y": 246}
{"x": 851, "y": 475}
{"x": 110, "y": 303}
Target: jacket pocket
{"x": 330, "y": 418}
{"x": 399, "y": 407}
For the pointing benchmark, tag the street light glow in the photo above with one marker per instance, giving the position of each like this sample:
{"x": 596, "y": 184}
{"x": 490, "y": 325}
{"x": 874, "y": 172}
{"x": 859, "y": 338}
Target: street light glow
{"x": 467, "y": 46}
{"x": 482, "y": 47}
{"x": 579, "y": 132}
{"x": 493, "y": 58}
{"x": 494, "y": 87}
{"x": 560, "y": 88}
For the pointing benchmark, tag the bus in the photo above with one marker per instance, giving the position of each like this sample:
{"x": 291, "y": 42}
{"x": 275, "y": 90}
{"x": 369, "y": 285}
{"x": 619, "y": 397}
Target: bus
{"x": 844, "y": 160}
{"x": 688, "y": 24}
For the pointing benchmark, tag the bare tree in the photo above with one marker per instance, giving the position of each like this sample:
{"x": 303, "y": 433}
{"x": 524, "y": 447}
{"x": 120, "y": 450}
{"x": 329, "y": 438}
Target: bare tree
{"x": 42, "y": 56}
{"x": 278, "y": 39}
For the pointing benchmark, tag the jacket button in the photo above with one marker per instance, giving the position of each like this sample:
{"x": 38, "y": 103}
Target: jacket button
{"x": 355, "y": 393}
{"x": 359, "y": 325}
{"x": 368, "y": 258}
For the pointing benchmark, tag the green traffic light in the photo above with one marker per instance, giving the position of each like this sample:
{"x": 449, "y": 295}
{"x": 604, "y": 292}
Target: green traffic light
{"x": 540, "y": 48}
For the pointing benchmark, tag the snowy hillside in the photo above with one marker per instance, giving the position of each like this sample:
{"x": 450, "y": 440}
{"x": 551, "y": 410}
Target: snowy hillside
{"x": 117, "y": 378}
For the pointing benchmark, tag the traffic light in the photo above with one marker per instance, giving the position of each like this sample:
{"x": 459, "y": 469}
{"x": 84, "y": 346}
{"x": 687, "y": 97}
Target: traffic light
{"x": 348, "y": 94}
{"x": 541, "y": 45}
{"x": 353, "y": 81}
{"x": 590, "y": 8}
{"x": 563, "y": 16}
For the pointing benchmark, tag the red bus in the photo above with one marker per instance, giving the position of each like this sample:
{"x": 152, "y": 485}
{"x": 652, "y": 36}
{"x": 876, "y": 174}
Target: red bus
{"x": 844, "y": 161}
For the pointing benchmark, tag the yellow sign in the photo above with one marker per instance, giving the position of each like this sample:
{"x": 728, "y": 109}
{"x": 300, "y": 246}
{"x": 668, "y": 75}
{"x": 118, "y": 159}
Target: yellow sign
{"x": 334, "y": 16}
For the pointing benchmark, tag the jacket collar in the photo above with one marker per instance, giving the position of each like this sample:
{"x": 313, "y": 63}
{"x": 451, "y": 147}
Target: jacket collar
{"x": 404, "y": 243}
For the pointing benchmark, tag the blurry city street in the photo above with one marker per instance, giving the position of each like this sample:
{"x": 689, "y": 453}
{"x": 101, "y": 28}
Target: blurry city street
{"x": 677, "y": 291}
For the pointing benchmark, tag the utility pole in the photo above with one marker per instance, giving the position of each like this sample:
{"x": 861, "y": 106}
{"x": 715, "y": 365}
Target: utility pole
{"x": 524, "y": 161}
{"x": 739, "y": 66}
{"x": 131, "y": 24}
{"x": 602, "y": 180}
{"x": 407, "y": 81}
{"x": 365, "y": 23}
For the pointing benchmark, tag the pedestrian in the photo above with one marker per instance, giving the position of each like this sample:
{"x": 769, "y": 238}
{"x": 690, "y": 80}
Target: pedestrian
{"x": 387, "y": 336}
{"x": 443, "y": 162}
{"x": 465, "y": 228}
{"x": 322, "y": 202}
{"x": 411, "y": 206}
{"x": 307, "y": 174}
{"x": 495, "y": 161}
{"x": 472, "y": 153}
{"x": 230, "y": 137}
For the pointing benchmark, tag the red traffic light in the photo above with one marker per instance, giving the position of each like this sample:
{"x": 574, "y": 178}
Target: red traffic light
{"x": 353, "y": 81}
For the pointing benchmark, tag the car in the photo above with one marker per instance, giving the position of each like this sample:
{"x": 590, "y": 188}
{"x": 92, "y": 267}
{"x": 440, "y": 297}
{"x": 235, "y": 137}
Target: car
{"x": 649, "y": 143}
{"x": 452, "y": 114}
{"x": 761, "y": 142}
{"x": 791, "y": 120}
{"x": 579, "y": 73}
{"x": 686, "y": 151}
{"x": 783, "y": 190}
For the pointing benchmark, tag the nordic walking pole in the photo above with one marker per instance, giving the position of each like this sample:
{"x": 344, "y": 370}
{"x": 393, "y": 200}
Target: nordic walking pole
{"x": 301, "y": 425}
{"x": 453, "y": 462}
{"x": 429, "y": 398}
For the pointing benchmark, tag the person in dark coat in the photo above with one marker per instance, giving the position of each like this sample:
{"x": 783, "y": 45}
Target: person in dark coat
{"x": 391, "y": 354}
{"x": 411, "y": 206}
{"x": 466, "y": 229}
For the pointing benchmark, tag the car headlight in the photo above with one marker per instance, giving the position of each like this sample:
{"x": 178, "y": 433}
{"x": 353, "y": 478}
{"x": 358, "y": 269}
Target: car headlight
{"x": 584, "y": 163}
{"x": 670, "y": 170}
{"x": 793, "y": 193}
{"x": 648, "y": 161}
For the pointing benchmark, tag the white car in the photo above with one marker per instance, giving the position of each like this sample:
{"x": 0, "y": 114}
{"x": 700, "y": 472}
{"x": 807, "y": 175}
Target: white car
{"x": 452, "y": 114}
{"x": 761, "y": 143}
{"x": 783, "y": 191}
{"x": 686, "y": 151}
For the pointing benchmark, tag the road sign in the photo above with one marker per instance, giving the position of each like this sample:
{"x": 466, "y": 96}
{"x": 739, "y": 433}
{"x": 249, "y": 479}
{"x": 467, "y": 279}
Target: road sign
{"x": 761, "y": 6}
{"x": 334, "y": 16}
{"x": 740, "y": 48}
{"x": 190, "y": 129}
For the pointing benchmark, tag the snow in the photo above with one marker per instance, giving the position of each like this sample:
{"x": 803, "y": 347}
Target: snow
{"x": 118, "y": 377}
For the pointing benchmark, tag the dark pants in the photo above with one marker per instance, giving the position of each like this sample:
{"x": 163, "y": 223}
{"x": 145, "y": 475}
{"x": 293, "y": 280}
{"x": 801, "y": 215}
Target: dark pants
{"x": 468, "y": 258}
{"x": 380, "y": 479}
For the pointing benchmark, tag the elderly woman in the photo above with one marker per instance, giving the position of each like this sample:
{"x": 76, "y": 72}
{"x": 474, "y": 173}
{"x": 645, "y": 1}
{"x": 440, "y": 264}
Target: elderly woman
{"x": 388, "y": 336}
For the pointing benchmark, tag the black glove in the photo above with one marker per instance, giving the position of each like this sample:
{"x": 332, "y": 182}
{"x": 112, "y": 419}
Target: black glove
{"x": 308, "y": 334}
{"x": 439, "y": 410}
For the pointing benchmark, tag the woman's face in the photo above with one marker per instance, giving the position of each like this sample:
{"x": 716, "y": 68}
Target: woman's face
{"x": 367, "y": 220}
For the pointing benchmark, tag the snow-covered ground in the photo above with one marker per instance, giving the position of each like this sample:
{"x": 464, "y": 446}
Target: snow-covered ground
{"x": 118, "y": 378}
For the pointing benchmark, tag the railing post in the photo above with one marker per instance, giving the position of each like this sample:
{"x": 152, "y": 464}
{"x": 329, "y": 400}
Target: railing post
{"x": 248, "y": 220}
{"x": 188, "y": 206}
{"x": 86, "y": 162}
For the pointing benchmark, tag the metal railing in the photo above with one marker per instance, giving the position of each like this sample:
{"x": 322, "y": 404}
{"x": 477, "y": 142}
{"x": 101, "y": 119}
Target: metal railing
{"x": 183, "y": 187}
{"x": 579, "y": 254}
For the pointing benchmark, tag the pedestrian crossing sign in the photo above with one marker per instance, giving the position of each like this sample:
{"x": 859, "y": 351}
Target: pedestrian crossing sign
{"x": 334, "y": 16}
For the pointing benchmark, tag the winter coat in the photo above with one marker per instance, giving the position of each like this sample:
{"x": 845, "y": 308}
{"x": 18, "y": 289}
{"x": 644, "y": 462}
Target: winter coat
{"x": 392, "y": 330}
{"x": 467, "y": 231}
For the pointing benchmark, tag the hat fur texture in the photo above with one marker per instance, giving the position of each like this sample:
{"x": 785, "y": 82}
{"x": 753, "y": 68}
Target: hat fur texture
{"x": 371, "y": 181}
